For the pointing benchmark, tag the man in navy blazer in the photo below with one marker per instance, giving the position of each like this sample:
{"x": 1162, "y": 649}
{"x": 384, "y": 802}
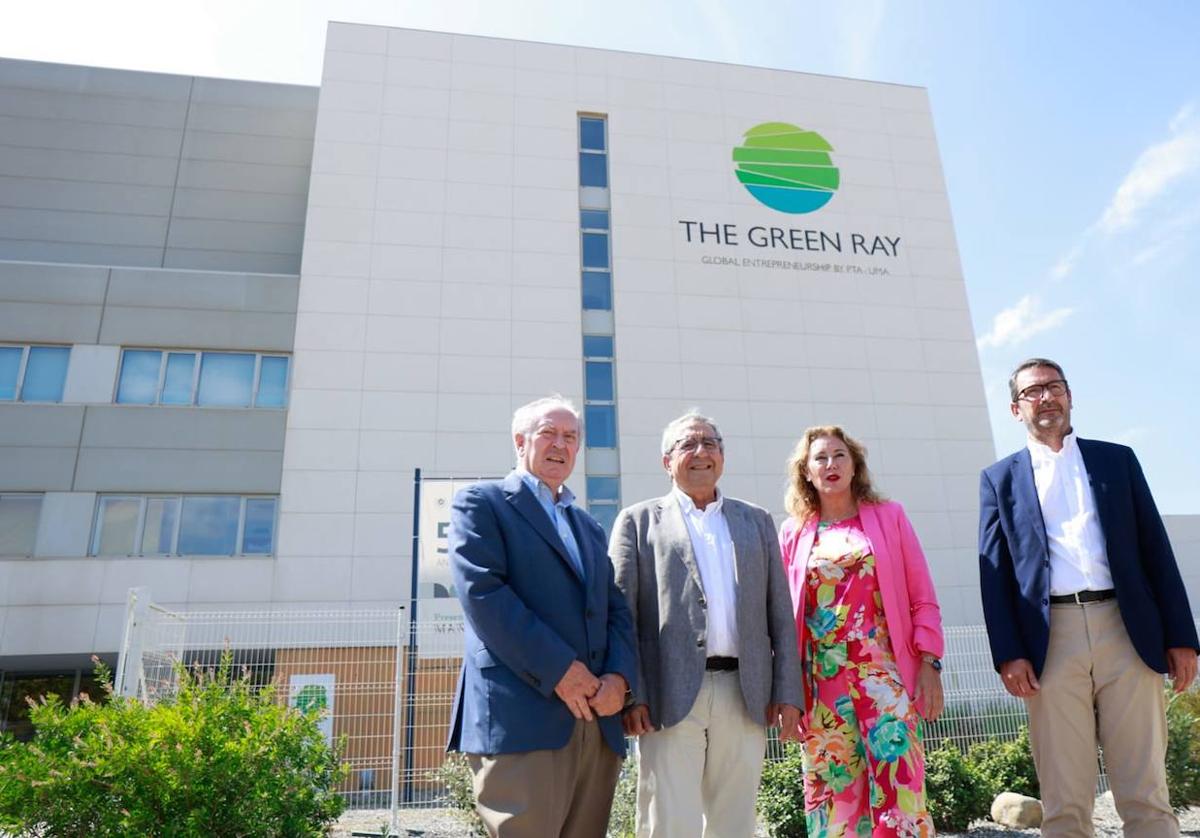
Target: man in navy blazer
{"x": 550, "y": 652}
{"x": 1085, "y": 608}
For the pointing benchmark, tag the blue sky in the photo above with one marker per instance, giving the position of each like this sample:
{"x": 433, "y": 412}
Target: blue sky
{"x": 1069, "y": 132}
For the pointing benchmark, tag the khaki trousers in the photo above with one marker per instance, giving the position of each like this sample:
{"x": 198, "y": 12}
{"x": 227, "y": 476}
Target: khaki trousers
{"x": 1094, "y": 684}
{"x": 542, "y": 794}
{"x": 700, "y": 777}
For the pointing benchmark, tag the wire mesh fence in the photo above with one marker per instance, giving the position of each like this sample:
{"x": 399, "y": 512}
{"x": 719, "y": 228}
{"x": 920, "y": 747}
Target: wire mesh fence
{"x": 386, "y": 687}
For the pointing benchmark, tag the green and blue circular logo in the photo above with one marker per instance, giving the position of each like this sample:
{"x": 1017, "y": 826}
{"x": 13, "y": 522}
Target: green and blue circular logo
{"x": 787, "y": 168}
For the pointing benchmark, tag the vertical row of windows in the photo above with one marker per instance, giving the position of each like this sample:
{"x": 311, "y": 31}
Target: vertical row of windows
{"x": 33, "y": 373}
{"x": 599, "y": 380}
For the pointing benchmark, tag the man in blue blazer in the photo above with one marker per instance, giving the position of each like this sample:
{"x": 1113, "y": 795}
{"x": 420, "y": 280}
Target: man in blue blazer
{"x": 550, "y": 652}
{"x": 1085, "y": 608}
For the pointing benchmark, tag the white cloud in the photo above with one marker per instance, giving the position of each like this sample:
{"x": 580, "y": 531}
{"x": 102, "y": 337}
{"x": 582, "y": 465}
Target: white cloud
{"x": 1157, "y": 168}
{"x": 1022, "y": 321}
{"x": 1066, "y": 264}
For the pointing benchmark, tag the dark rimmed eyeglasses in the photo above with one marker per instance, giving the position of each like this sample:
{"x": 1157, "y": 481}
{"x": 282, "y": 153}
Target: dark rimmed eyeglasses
{"x": 692, "y": 444}
{"x": 1035, "y": 392}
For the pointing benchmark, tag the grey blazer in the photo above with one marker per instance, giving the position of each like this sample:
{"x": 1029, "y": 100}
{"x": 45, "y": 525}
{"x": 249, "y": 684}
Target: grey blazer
{"x": 656, "y": 570}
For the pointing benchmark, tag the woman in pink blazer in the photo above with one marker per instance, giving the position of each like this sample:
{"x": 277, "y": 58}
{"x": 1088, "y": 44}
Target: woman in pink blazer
{"x": 870, "y": 638}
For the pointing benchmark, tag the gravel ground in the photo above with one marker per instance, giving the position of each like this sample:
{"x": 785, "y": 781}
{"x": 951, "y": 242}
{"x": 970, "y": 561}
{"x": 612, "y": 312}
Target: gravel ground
{"x": 441, "y": 823}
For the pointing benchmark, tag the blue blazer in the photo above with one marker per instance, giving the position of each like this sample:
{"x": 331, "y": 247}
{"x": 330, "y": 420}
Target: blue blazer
{"x": 529, "y": 614}
{"x": 1014, "y": 559}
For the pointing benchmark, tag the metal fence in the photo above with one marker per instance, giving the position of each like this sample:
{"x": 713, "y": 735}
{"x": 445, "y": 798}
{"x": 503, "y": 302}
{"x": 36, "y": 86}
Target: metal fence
{"x": 388, "y": 698}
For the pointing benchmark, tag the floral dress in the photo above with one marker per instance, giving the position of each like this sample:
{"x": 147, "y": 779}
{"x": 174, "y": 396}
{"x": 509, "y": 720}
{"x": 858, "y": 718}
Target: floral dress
{"x": 864, "y": 766}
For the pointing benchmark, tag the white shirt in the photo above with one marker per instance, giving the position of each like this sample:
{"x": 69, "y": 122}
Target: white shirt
{"x": 713, "y": 547}
{"x": 1078, "y": 558}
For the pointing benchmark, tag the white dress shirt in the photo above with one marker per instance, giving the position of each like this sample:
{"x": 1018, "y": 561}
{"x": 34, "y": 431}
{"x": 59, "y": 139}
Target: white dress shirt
{"x": 714, "y": 551}
{"x": 1078, "y": 558}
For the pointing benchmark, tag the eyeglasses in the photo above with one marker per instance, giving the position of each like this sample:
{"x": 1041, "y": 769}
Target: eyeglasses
{"x": 694, "y": 443}
{"x": 1035, "y": 392}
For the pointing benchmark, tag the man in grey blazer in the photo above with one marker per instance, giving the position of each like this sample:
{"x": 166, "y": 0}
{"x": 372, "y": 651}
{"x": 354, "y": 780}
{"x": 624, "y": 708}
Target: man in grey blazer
{"x": 717, "y": 652}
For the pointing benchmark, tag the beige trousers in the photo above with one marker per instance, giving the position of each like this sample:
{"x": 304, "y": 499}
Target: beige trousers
{"x": 542, "y": 794}
{"x": 1094, "y": 685}
{"x": 700, "y": 777}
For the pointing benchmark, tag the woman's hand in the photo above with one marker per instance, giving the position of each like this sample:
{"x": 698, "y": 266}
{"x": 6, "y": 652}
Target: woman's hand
{"x": 929, "y": 692}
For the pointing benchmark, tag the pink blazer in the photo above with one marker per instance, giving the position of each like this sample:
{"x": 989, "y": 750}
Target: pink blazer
{"x": 910, "y": 605}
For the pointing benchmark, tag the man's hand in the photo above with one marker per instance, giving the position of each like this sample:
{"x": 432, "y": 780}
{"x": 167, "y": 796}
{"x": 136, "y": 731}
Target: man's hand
{"x": 1018, "y": 677}
{"x": 636, "y": 720}
{"x": 610, "y": 698}
{"x": 930, "y": 700}
{"x": 1181, "y": 666}
{"x": 786, "y": 717}
{"x": 575, "y": 688}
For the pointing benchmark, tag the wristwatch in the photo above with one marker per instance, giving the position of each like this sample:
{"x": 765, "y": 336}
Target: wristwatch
{"x": 933, "y": 661}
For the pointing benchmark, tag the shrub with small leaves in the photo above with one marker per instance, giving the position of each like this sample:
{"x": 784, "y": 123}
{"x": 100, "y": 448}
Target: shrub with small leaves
{"x": 1183, "y": 749}
{"x": 1006, "y": 765}
{"x": 781, "y": 794}
{"x": 457, "y": 782}
{"x": 219, "y": 759}
{"x": 955, "y": 790}
{"x": 622, "y": 819}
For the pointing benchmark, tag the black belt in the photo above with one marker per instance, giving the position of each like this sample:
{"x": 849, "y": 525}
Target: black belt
{"x": 1081, "y": 597}
{"x": 718, "y": 664}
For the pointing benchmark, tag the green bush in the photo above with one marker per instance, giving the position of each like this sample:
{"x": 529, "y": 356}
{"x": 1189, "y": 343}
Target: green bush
{"x": 1006, "y": 765}
{"x": 622, "y": 819}
{"x": 956, "y": 792}
{"x": 457, "y": 780}
{"x": 781, "y": 794}
{"x": 1183, "y": 749}
{"x": 219, "y": 759}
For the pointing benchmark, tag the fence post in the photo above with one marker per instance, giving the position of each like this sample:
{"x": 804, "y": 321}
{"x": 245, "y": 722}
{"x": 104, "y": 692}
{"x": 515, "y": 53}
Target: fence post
{"x": 129, "y": 663}
{"x": 411, "y": 690}
{"x": 394, "y": 792}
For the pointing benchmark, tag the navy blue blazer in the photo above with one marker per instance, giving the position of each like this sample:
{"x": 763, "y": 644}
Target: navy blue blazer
{"x": 529, "y": 614}
{"x": 1014, "y": 560}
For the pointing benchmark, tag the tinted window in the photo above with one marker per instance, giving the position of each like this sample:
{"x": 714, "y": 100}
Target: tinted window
{"x": 208, "y": 526}
{"x": 603, "y": 488}
{"x": 272, "y": 382}
{"x": 597, "y": 346}
{"x": 258, "y": 533}
{"x": 177, "y": 382}
{"x": 593, "y": 170}
{"x": 593, "y": 219}
{"x": 591, "y": 133}
{"x": 162, "y": 514}
{"x": 118, "y": 526}
{"x": 605, "y": 514}
{"x": 226, "y": 380}
{"x": 10, "y": 366}
{"x": 45, "y": 374}
{"x": 597, "y": 291}
{"x": 598, "y": 381}
{"x": 139, "y": 376}
{"x": 595, "y": 250}
{"x": 600, "y": 425}
{"x": 18, "y": 524}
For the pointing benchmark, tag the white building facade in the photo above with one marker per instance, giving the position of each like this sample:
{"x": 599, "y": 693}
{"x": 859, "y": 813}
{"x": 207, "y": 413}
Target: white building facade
{"x": 238, "y": 317}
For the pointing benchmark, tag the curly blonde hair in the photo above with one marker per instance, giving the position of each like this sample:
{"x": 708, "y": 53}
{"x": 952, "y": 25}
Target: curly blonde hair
{"x": 802, "y": 501}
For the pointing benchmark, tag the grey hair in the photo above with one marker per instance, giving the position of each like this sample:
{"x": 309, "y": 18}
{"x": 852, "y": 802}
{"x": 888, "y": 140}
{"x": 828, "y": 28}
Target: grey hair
{"x": 670, "y": 434}
{"x": 1028, "y": 363}
{"x": 525, "y": 417}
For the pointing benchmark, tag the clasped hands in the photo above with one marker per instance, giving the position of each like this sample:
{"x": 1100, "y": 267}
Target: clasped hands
{"x": 587, "y": 696}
